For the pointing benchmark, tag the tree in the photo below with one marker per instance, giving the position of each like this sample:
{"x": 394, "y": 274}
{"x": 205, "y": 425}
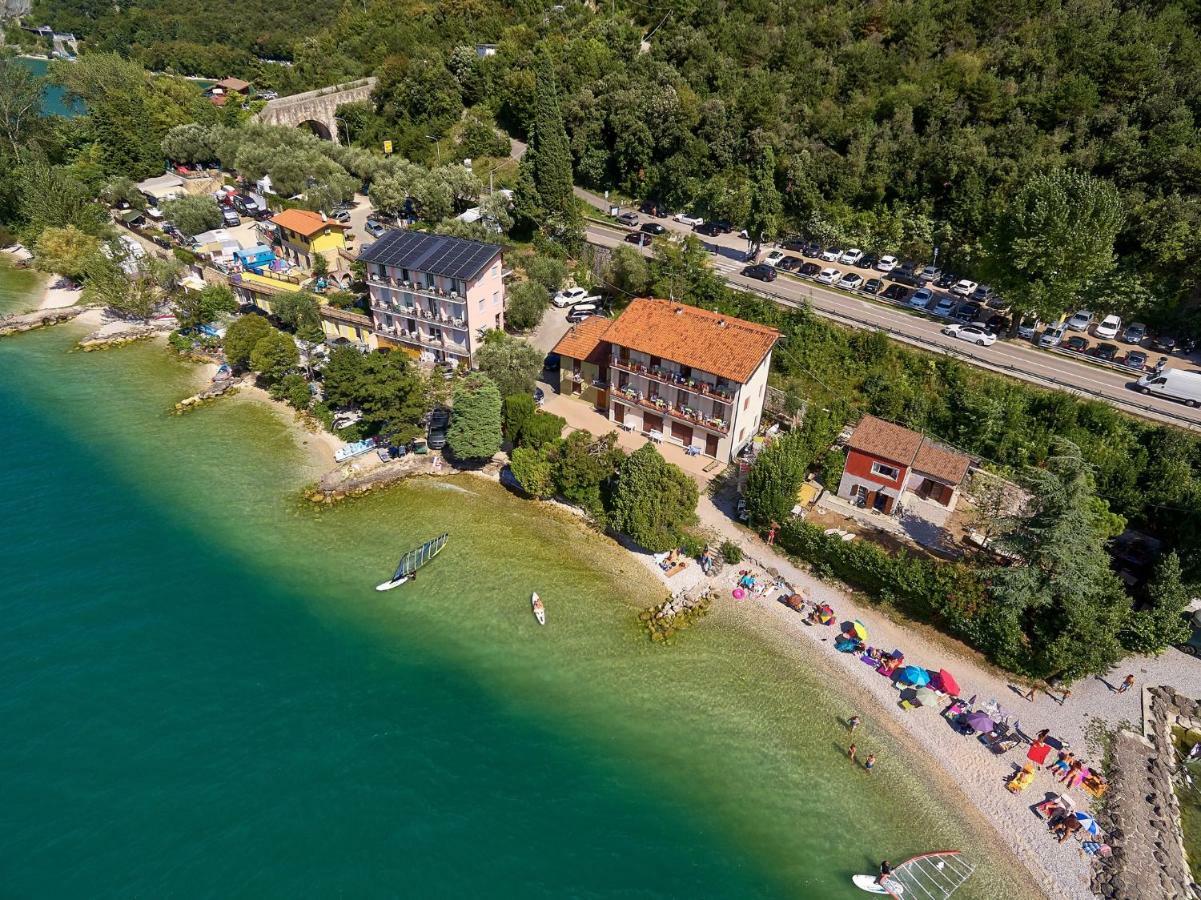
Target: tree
{"x": 546, "y": 271}
{"x": 133, "y": 288}
{"x": 294, "y": 390}
{"x": 274, "y": 356}
{"x": 1059, "y": 608}
{"x": 194, "y": 215}
{"x": 511, "y": 363}
{"x": 763, "y": 218}
{"x": 1163, "y": 622}
{"x": 774, "y": 479}
{"x": 544, "y": 190}
{"x": 66, "y": 251}
{"x": 653, "y": 500}
{"x": 300, "y": 312}
{"x": 583, "y": 467}
{"x": 1054, "y": 239}
{"x": 527, "y": 303}
{"x": 196, "y": 308}
{"x": 190, "y": 143}
{"x": 629, "y": 272}
{"x": 241, "y": 337}
{"x": 475, "y": 424}
{"x": 540, "y": 429}
{"x": 385, "y": 387}
{"x": 52, "y": 197}
{"x": 516, "y": 411}
{"x": 533, "y": 472}
{"x": 20, "y": 103}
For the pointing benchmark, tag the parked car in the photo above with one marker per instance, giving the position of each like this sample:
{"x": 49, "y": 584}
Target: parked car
{"x": 969, "y": 312}
{"x": 945, "y": 305}
{"x": 850, "y": 281}
{"x": 1135, "y": 333}
{"x": 581, "y": 311}
{"x": 811, "y": 248}
{"x": 638, "y": 239}
{"x": 762, "y": 271}
{"x": 1053, "y": 336}
{"x": 997, "y": 323}
{"x": 830, "y": 254}
{"x": 1106, "y": 352}
{"x": 868, "y": 261}
{"x": 628, "y": 219}
{"x": 230, "y": 217}
{"x": 973, "y": 333}
{"x": 946, "y": 280}
{"x": 652, "y": 228}
{"x": 905, "y": 276}
{"x": 1109, "y": 327}
{"x": 872, "y": 286}
{"x": 438, "y": 426}
{"x": 809, "y": 270}
{"x": 651, "y": 208}
{"x": 896, "y": 293}
{"x": 686, "y": 219}
{"x": 964, "y": 288}
{"x": 374, "y": 228}
{"x": 793, "y": 243}
{"x": 790, "y": 264}
{"x": 886, "y": 264}
{"x": 851, "y": 257}
{"x": 569, "y": 297}
{"x": 1164, "y": 343}
{"x": 921, "y": 298}
{"x": 1080, "y": 320}
{"x": 340, "y": 216}
{"x": 773, "y": 258}
{"x": 982, "y": 293}
{"x": 1077, "y": 344}
{"x": 928, "y": 274}
{"x": 1135, "y": 359}
{"x": 708, "y": 229}
{"x": 828, "y": 276}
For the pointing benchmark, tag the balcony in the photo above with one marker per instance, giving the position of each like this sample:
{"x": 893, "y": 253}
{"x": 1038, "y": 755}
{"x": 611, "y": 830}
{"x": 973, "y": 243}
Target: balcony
{"x": 416, "y": 337}
{"x": 414, "y": 287}
{"x": 683, "y": 413}
{"x": 721, "y": 394}
{"x": 416, "y": 312}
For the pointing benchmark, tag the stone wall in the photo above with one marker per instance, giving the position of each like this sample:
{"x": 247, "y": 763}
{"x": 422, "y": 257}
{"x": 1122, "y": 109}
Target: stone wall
{"x": 1142, "y": 816}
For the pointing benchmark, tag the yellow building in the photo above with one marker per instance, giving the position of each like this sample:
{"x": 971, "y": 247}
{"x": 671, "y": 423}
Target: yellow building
{"x": 304, "y": 235}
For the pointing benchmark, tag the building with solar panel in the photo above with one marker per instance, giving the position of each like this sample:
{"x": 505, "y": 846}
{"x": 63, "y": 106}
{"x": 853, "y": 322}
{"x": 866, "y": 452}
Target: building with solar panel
{"x": 434, "y": 294}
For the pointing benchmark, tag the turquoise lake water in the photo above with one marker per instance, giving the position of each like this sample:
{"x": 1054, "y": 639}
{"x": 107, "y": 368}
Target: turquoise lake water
{"x": 54, "y": 101}
{"x": 204, "y": 697}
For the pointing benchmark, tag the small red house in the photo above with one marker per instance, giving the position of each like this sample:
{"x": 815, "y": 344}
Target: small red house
{"x": 888, "y": 463}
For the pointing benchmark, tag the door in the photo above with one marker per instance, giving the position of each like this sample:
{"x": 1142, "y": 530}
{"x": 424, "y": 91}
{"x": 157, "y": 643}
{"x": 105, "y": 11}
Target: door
{"x": 651, "y": 422}
{"x": 602, "y": 400}
{"x": 711, "y": 445}
{"x": 619, "y": 413}
{"x": 881, "y": 502}
{"x": 681, "y": 433}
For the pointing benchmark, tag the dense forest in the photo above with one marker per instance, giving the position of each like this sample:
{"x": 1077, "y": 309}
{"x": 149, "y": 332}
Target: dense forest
{"x": 892, "y": 125}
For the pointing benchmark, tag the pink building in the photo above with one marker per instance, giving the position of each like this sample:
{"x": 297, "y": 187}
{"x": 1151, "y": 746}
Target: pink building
{"x": 434, "y": 294}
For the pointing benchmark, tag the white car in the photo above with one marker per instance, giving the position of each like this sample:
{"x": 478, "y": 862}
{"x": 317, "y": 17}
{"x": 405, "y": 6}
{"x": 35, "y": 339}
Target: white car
{"x": 828, "y": 276}
{"x": 569, "y": 297}
{"x": 964, "y": 288}
{"x": 921, "y": 298}
{"x": 830, "y": 254}
{"x": 774, "y": 258}
{"x": 1081, "y": 320}
{"x": 1109, "y": 327}
{"x": 851, "y": 257}
{"x": 851, "y": 281}
{"x": 1053, "y": 336}
{"x": 685, "y": 219}
{"x": 974, "y": 333}
{"x": 886, "y": 264}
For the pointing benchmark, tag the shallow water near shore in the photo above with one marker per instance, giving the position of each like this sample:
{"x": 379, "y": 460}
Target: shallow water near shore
{"x": 205, "y": 697}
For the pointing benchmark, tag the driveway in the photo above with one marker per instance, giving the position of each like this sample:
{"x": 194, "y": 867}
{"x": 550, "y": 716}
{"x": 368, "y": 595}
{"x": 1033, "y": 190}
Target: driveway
{"x": 553, "y": 326}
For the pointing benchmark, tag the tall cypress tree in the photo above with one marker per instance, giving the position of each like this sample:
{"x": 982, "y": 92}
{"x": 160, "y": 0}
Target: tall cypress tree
{"x": 544, "y": 187}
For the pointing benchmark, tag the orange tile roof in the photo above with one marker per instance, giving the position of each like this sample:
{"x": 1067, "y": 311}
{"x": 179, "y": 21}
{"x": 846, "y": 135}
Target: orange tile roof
{"x": 585, "y": 340}
{"x": 233, "y": 84}
{"x": 898, "y": 444}
{"x": 303, "y": 222}
{"x": 941, "y": 462}
{"x": 694, "y": 337}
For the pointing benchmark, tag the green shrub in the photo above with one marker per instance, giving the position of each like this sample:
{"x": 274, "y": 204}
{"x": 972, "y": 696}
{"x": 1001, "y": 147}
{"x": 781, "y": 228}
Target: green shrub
{"x": 691, "y": 545}
{"x": 831, "y": 469}
{"x": 731, "y": 553}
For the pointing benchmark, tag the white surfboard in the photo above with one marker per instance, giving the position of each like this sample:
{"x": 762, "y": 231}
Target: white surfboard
{"x": 868, "y": 883}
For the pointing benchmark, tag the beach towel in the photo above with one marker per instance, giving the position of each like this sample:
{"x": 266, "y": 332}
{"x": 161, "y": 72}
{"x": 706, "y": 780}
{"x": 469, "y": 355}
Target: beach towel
{"x": 1038, "y": 755}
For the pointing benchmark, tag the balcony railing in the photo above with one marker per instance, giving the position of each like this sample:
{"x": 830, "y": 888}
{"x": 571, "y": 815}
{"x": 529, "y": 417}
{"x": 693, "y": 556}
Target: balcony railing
{"x": 684, "y": 413}
{"x": 416, "y": 287}
{"x": 674, "y": 379}
{"x": 416, "y": 337}
{"x": 416, "y": 312}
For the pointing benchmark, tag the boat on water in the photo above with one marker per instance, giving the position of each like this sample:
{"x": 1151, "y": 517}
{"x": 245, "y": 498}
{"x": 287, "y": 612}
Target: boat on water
{"x": 934, "y": 875}
{"x": 539, "y": 609}
{"x": 414, "y": 560}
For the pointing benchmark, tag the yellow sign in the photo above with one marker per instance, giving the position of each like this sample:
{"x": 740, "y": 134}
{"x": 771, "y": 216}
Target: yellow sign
{"x": 387, "y": 146}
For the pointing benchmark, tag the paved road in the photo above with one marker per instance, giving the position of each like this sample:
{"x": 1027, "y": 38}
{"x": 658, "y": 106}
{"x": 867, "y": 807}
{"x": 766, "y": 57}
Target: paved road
{"x": 1017, "y": 358}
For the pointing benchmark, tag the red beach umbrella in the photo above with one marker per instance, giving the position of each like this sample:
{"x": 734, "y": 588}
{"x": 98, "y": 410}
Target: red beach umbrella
{"x": 947, "y": 682}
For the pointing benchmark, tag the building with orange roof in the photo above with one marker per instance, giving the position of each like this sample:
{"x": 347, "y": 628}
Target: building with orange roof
{"x": 303, "y": 236}
{"x": 673, "y": 372}
{"x": 888, "y": 464}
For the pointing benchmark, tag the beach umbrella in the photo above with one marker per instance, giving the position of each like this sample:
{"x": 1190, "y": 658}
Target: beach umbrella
{"x": 915, "y": 675}
{"x": 946, "y": 682}
{"x": 979, "y": 721}
{"x": 925, "y": 696}
{"x": 1088, "y": 823}
{"x": 859, "y": 630}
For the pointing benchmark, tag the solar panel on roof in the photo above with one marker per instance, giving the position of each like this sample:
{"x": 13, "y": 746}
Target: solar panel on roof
{"x": 435, "y": 253}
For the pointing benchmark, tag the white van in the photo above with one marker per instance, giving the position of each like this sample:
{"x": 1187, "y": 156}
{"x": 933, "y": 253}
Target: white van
{"x": 1173, "y": 383}
{"x": 581, "y": 311}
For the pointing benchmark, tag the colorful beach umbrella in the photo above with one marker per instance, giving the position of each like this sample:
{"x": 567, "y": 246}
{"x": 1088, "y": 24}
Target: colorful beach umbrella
{"x": 1088, "y": 823}
{"x": 946, "y": 682}
{"x": 925, "y": 696}
{"x": 914, "y": 675}
{"x": 979, "y": 721}
{"x": 859, "y": 630}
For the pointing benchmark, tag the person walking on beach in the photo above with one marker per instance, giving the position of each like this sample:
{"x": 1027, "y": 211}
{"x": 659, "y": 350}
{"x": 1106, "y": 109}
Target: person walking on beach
{"x": 1126, "y": 684}
{"x": 851, "y": 752}
{"x": 853, "y": 722}
{"x": 1029, "y": 695}
{"x": 870, "y": 762}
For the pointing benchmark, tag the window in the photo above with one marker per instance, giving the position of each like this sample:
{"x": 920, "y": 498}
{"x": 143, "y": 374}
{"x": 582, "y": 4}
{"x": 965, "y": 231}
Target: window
{"x": 892, "y": 473}
{"x": 746, "y": 403}
{"x": 655, "y": 361}
{"x": 495, "y": 297}
{"x": 481, "y": 303}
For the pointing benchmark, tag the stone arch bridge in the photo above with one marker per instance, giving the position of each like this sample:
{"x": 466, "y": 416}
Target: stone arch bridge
{"x": 315, "y": 109}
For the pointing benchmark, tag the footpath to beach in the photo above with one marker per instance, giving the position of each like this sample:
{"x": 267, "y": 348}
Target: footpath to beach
{"x": 1061, "y": 870}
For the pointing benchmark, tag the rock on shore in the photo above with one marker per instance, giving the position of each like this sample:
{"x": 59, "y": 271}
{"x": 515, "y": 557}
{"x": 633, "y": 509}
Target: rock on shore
{"x": 108, "y": 336}
{"x": 41, "y": 318}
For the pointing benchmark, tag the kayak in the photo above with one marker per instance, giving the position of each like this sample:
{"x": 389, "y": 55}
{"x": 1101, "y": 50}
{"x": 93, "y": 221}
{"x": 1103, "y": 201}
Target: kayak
{"x": 868, "y": 883}
{"x": 539, "y": 609}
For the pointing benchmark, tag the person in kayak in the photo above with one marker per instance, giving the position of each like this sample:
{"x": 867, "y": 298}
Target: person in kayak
{"x": 885, "y": 873}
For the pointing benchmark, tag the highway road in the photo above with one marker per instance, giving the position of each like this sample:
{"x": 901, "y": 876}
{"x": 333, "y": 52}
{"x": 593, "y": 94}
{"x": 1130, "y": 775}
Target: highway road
{"x": 1019, "y": 359}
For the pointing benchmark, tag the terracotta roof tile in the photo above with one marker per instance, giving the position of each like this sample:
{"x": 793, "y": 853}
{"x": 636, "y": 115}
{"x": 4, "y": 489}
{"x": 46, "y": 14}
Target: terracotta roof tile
{"x": 303, "y": 222}
{"x": 709, "y": 341}
{"x": 941, "y": 462}
{"x": 898, "y": 444}
{"x": 585, "y": 340}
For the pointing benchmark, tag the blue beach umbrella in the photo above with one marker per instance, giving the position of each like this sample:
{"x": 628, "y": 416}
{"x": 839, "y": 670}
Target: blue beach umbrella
{"x": 914, "y": 675}
{"x": 1088, "y": 823}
